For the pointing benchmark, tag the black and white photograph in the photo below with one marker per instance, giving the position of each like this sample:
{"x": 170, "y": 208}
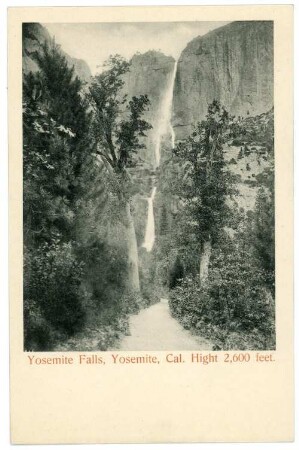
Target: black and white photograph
{"x": 148, "y": 186}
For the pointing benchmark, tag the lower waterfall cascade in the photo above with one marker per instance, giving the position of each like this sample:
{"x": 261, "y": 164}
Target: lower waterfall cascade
{"x": 150, "y": 225}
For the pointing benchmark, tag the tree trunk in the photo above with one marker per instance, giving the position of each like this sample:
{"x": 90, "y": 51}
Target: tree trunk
{"x": 133, "y": 271}
{"x": 204, "y": 261}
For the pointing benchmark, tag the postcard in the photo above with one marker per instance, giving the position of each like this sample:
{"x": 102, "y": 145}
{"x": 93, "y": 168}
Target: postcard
{"x": 151, "y": 235}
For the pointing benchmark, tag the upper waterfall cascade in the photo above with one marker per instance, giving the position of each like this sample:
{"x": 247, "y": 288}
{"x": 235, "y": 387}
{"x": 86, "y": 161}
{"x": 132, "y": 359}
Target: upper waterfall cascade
{"x": 164, "y": 125}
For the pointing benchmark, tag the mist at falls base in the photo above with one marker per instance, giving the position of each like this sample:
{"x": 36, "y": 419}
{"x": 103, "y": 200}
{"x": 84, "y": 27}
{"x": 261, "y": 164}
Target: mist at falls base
{"x": 164, "y": 128}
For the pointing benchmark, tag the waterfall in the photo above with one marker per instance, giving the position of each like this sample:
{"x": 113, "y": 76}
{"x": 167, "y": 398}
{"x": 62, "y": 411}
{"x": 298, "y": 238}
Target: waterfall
{"x": 164, "y": 128}
{"x": 164, "y": 120}
{"x": 170, "y": 112}
{"x": 150, "y": 225}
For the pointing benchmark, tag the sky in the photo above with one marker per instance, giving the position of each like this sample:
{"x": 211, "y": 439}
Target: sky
{"x": 95, "y": 42}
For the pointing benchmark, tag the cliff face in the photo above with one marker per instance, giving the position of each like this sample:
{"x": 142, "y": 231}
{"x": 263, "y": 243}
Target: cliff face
{"x": 34, "y": 36}
{"x": 233, "y": 64}
{"x": 149, "y": 74}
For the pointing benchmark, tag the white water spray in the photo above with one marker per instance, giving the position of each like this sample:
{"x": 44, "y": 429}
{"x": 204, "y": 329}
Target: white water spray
{"x": 150, "y": 225}
{"x": 164, "y": 121}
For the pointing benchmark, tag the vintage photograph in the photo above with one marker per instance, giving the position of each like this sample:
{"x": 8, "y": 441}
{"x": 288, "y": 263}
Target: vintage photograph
{"x": 148, "y": 186}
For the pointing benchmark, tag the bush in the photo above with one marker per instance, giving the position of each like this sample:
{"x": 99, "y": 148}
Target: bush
{"x": 107, "y": 326}
{"x": 52, "y": 293}
{"x": 105, "y": 272}
{"x": 233, "y": 308}
{"x": 38, "y": 334}
{"x": 176, "y": 273}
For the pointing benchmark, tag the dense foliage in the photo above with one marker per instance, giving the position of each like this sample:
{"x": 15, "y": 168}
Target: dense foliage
{"x": 206, "y": 182}
{"x": 117, "y": 123}
{"x": 55, "y": 156}
{"x": 75, "y": 258}
{"x": 234, "y": 306}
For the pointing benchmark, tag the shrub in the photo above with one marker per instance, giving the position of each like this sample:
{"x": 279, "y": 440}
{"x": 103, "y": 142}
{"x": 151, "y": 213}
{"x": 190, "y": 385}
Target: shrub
{"x": 176, "y": 273}
{"x": 52, "y": 292}
{"x": 106, "y": 272}
{"x": 232, "y": 308}
{"x": 38, "y": 334}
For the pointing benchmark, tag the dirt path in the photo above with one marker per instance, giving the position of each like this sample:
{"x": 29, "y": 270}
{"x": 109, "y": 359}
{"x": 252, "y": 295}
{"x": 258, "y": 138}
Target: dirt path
{"x": 155, "y": 329}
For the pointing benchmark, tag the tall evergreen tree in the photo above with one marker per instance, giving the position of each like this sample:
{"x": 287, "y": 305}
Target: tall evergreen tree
{"x": 207, "y": 180}
{"x": 56, "y": 149}
{"x": 55, "y": 156}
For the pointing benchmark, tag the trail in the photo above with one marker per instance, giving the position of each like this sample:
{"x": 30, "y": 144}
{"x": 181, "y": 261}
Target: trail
{"x": 154, "y": 329}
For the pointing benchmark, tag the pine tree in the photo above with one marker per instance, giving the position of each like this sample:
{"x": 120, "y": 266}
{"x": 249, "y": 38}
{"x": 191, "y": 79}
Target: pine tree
{"x": 207, "y": 182}
{"x": 55, "y": 155}
{"x": 56, "y": 148}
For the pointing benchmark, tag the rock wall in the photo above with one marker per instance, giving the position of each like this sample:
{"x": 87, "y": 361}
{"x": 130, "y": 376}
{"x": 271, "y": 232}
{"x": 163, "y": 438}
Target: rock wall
{"x": 149, "y": 74}
{"x": 233, "y": 64}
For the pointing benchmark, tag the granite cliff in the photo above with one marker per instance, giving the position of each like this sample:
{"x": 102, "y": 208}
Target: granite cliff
{"x": 150, "y": 74}
{"x": 233, "y": 64}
